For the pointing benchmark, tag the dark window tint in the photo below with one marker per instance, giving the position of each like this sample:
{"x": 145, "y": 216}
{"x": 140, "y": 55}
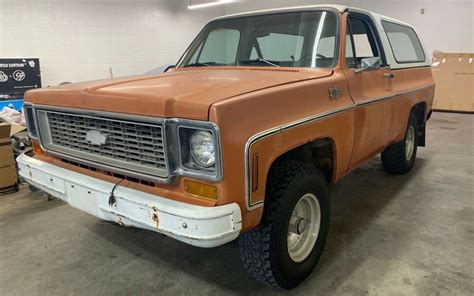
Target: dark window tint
{"x": 406, "y": 46}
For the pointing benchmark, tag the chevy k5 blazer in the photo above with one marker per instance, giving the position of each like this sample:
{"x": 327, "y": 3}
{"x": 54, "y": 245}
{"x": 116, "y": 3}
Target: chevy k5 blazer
{"x": 242, "y": 138}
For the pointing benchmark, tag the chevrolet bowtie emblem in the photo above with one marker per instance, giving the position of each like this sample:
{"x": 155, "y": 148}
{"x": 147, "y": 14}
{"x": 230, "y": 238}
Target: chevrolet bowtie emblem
{"x": 335, "y": 93}
{"x": 96, "y": 138}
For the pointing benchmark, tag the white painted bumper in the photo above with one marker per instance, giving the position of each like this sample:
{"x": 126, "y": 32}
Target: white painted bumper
{"x": 199, "y": 226}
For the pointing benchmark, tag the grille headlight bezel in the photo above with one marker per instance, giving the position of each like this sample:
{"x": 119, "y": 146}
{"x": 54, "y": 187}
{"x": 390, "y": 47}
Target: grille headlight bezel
{"x": 30, "y": 120}
{"x": 177, "y": 158}
{"x": 189, "y": 164}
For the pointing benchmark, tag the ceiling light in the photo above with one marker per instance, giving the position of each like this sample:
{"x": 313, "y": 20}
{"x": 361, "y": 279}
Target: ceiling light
{"x": 208, "y": 4}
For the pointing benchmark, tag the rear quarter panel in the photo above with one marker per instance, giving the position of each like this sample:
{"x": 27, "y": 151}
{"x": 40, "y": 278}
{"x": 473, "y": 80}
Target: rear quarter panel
{"x": 412, "y": 86}
{"x": 413, "y": 82}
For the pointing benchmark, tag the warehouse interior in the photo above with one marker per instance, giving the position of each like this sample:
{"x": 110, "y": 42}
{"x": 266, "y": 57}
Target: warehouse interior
{"x": 389, "y": 234}
{"x": 85, "y": 38}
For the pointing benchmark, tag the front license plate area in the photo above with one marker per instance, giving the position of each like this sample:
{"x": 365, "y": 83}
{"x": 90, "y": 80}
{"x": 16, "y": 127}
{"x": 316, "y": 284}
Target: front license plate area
{"x": 82, "y": 198}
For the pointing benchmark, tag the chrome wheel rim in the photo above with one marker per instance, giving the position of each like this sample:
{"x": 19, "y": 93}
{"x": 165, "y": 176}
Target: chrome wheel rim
{"x": 410, "y": 142}
{"x": 303, "y": 228}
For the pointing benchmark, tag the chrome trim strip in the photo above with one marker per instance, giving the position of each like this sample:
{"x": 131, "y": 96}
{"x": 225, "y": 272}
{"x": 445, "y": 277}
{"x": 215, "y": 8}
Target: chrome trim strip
{"x": 28, "y": 123}
{"x": 381, "y": 98}
{"x": 266, "y": 133}
{"x": 280, "y": 128}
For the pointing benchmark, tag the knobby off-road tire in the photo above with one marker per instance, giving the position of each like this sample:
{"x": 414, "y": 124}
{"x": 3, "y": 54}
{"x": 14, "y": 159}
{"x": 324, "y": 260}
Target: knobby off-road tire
{"x": 265, "y": 250}
{"x": 399, "y": 158}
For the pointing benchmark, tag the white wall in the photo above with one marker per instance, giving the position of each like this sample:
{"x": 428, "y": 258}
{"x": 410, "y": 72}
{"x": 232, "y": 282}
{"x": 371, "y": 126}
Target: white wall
{"x": 79, "y": 40}
{"x": 446, "y": 25}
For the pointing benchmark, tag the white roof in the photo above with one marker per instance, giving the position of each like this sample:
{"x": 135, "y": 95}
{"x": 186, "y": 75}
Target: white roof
{"x": 377, "y": 18}
{"x": 340, "y": 8}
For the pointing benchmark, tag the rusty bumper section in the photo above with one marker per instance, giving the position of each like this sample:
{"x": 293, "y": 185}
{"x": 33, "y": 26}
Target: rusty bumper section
{"x": 199, "y": 226}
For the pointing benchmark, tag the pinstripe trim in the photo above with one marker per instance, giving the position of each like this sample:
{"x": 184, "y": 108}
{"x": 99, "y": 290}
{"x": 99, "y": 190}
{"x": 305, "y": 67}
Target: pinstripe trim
{"x": 266, "y": 133}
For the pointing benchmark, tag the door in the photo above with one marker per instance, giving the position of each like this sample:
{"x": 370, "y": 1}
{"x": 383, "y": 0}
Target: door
{"x": 370, "y": 89}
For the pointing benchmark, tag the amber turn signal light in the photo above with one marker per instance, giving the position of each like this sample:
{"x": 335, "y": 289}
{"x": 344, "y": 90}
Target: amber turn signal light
{"x": 200, "y": 189}
{"x": 37, "y": 148}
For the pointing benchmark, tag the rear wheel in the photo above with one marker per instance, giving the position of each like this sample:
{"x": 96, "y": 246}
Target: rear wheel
{"x": 284, "y": 249}
{"x": 399, "y": 158}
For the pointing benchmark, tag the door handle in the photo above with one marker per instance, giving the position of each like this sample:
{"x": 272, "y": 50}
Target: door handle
{"x": 389, "y": 75}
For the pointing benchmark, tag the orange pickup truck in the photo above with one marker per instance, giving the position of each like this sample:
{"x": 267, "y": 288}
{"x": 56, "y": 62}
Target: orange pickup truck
{"x": 243, "y": 136}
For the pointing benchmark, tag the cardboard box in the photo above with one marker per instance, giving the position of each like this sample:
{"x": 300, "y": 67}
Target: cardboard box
{"x": 454, "y": 77}
{"x": 8, "y": 174}
{"x": 16, "y": 128}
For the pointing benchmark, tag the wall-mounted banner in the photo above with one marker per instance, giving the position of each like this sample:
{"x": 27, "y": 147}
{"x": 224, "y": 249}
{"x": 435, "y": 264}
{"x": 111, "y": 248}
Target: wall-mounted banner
{"x": 18, "y": 76}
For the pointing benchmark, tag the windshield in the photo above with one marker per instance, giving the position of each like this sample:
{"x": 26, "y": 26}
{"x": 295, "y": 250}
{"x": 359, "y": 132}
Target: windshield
{"x": 299, "y": 39}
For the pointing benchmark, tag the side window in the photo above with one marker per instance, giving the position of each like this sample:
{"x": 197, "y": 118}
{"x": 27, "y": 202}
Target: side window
{"x": 406, "y": 46}
{"x": 350, "y": 58}
{"x": 361, "y": 42}
{"x": 221, "y": 47}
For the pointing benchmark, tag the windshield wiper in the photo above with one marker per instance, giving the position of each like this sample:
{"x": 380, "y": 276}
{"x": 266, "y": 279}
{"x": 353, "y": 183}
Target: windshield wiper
{"x": 260, "y": 60}
{"x": 202, "y": 64}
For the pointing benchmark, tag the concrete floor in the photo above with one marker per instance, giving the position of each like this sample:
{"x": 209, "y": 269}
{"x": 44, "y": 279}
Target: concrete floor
{"x": 402, "y": 235}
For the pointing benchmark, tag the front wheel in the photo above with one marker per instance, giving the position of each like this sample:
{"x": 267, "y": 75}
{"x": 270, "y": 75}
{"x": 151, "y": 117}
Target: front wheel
{"x": 284, "y": 249}
{"x": 399, "y": 158}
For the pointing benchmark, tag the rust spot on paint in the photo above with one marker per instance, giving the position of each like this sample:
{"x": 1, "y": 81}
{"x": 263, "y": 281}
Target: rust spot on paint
{"x": 155, "y": 218}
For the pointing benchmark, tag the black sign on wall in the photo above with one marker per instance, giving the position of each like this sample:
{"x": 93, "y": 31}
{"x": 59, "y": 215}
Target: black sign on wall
{"x": 19, "y": 75}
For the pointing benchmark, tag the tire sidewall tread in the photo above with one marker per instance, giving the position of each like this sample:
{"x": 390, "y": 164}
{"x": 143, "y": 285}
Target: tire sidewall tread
{"x": 394, "y": 158}
{"x": 271, "y": 264}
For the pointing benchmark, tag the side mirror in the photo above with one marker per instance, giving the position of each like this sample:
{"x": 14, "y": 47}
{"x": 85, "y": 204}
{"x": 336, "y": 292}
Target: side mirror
{"x": 369, "y": 64}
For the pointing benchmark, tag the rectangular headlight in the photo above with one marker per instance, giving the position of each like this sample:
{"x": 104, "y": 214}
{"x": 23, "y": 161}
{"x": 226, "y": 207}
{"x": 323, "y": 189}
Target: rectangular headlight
{"x": 198, "y": 148}
{"x": 195, "y": 152}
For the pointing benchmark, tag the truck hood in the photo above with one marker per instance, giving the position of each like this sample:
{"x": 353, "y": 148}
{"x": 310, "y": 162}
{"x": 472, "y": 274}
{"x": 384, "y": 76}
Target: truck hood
{"x": 185, "y": 93}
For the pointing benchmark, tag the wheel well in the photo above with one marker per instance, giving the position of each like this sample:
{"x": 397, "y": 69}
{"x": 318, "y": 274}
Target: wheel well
{"x": 419, "y": 111}
{"x": 320, "y": 153}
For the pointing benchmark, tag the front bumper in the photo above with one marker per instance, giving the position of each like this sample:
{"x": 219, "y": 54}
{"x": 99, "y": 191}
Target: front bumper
{"x": 199, "y": 226}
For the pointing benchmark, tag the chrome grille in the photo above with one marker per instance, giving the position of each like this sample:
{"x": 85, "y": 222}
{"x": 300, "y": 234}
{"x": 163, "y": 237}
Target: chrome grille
{"x": 127, "y": 144}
